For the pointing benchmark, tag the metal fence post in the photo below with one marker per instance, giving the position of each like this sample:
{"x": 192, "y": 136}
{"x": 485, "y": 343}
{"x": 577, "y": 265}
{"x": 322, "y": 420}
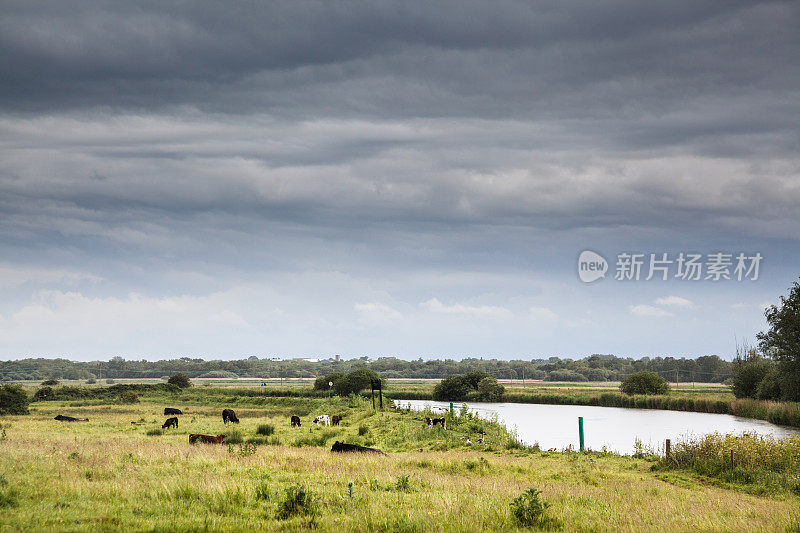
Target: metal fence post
{"x": 580, "y": 431}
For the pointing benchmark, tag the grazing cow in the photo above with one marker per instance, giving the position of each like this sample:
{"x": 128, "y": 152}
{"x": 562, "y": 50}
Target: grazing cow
{"x": 206, "y": 439}
{"x": 295, "y": 421}
{"x": 335, "y": 419}
{"x": 341, "y": 447}
{"x": 172, "y": 411}
{"x": 323, "y": 420}
{"x": 229, "y": 416}
{"x": 171, "y": 422}
{"x": 432, "y": 422}
{"x": 64, "y": 418}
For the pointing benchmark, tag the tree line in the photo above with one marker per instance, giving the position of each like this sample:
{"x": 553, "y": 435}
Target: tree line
{"x": 597, "y": 367}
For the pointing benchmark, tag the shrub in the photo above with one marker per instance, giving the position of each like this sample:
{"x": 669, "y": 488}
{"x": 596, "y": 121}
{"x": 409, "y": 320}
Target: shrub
{"x": 265, "y": 429}
{"x": 529, "y": 510}
{"x": 748, "y": 372}
{"x": 403, "y": 483}
{"x": 44, "y": 394}
{"x": 91, "y": 381}
{"x": 50, "y": 382}
{"x": 565, "y": 375}
{"x": 322, "y": 383}
{"x": 180, "y": 379}
{"x": 224, "y": 374}
{"x": 129, "y": 397}
{"x": 490, "y": 390}
{"x": 155, "y": 432}
{"x": 234, "y": 437}
{"x": 354, "y": 382}
{"x": 13, "y": 400}
{"x": 452, "y": 389}
{"x": 110, "y": 381}
{"x": 299, "y": 501}
{"x": 644, "y": 383}
{"x": 362, "y": 430}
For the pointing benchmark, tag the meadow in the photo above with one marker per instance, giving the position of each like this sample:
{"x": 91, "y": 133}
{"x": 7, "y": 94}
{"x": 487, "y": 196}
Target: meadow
{"x": 110, "y": 474}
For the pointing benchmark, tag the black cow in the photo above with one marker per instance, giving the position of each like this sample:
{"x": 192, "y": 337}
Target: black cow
{"x": 64, "y": 418}
{"x": 295, "y": 421}
{"x": 172, "y": 411}
{"x": 171, "y": 422}
{"x": 341, "y": 447}
{"x": 335, "y": 419}
{"x": 229, "y": 416}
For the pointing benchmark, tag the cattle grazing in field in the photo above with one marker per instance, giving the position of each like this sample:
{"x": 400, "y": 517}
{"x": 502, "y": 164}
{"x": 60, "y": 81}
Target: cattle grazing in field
{"x": 64, "y": 418}
{"x": 295, "y": 421}
{"x": 229, "y": 416}
{"x": 171, "y": 422}
{"x": 335, "y": 419}
{"x": 206, "y": 439}
{"x": 323, "y": 420}
{"x": 172, "y": 411}
{"x": 341, "y": 447}
{"x": 432, "y": 422}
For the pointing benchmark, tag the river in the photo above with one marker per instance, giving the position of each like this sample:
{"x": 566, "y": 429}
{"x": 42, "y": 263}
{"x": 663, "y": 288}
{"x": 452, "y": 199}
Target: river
{"x": 613, "y": 428}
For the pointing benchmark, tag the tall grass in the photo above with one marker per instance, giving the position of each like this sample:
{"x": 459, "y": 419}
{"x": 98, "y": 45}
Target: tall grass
{"x": 763, "y": 463}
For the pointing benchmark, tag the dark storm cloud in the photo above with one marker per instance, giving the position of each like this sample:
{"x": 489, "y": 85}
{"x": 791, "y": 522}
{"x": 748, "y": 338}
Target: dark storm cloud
{"x": 374, "y": 59}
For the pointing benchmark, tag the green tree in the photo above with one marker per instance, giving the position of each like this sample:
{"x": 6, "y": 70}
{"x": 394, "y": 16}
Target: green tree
{"x": 782, "y": 341}
{"x": 322, "y": 383}
{"x": 749, "y": 370}
{"x": 13, "y": 400}
{"x": 644, "y": 383}
{"x": 490, "y": 390}
{"x": 454, "y": 388}
{"x": 180, "y": 379}
{"x": 354, "y": 382}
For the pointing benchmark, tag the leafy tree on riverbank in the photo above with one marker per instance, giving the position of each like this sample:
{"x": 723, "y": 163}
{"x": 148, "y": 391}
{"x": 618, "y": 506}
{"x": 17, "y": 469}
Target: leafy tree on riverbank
{"x": 782, "y": 342}
{"x": 13, "y": 400}
{"x": 644, "y": 383}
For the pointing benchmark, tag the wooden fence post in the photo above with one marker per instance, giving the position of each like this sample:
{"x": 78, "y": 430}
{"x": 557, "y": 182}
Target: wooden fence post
{"x": 669, "y": 449}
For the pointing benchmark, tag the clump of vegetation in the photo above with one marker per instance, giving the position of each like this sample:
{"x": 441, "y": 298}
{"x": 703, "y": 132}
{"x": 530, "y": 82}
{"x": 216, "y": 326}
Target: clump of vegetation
{"x": 403, "y": 483}
{"x": 322, "y": 383}
{"x": 50, "y": 382}
{"x": 362, "y": 430}
{"x": 8, "y": 495}
{"x": 13, "y": 400}
{"x": 530, "y": 511}
{"x": 456, "y": 388}
{"x": 782, "y": 343}
{"x": 354, "y": 382}
{"x": 490, "y": 390}
{"x": 180, "y": 380}
{"x": 91, "y": 381}
{"x": 155, "y": 432}
{"x": 763, "y": 463}
{"x": 245, "y": 449}
{"x": 129, "y": 397}
{"x": 234, "y": 437}
{"x": 265, "y": 429}
{"x": 644, "y": 383}
{"x": 110, "y": 381}
{"x": 299, "y": 502}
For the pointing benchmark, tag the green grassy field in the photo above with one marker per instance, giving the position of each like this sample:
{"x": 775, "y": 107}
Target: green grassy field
{"x": 109, "y": 474}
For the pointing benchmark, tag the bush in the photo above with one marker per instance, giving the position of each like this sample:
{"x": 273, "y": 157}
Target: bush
{"x": 234, "y": 437}
{"x": 110, "y": 381}
{"x": 354, "y": 382}
{"x": 299, "y": 501}
{"x": 265, "y": 429}
{"x": 91, "y": 381}
{"x": 129, "y": 397}
{"x": 565, "y": 375}
{"x": 13, "y": 400}
{"x": 490, "y": 390}
{"x": 223, "y": 374}
{"x": 322, "y": 383}
{"x": 155, "y": 432}
{"x": 50, "y": 382}
{"x": 748, "y": 372}
{"x": 44, "y": 394}
{"x": 452, "y": 389}
{"x": 180, "y": 380}
{"x": 362, "y": 430}
{"x": 529, "y": 510}
{"x": 644, "y": 383}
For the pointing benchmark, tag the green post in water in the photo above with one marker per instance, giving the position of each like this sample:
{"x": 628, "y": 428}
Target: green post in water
{"x": 451, "y": 408}
{"x": 580, "y": 431}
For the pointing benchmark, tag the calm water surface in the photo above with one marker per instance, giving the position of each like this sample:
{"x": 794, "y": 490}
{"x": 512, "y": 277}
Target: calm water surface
{"x": 615, "y": 428}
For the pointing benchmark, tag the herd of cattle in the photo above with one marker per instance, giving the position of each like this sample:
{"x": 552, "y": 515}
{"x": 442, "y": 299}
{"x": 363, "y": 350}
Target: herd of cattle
{"x": 228, "y": 415}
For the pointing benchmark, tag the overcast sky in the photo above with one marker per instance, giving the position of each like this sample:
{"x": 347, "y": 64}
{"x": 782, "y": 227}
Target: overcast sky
{"x": 406, "y": 179}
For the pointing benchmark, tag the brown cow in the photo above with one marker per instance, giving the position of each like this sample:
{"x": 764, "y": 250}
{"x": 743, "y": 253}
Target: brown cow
{"x": 206, "y": 439}
{"x": 171, "y": 422}
{"x": 335, "y": 419}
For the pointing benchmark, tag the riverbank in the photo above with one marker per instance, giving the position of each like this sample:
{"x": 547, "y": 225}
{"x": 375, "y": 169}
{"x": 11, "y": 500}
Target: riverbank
{"x": 108, "y": 473}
